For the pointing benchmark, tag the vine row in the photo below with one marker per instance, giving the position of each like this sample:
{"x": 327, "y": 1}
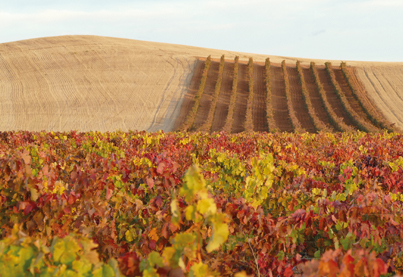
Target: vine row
{"x": 294, "y": 120}
{"x": 209, "y": 121}
{"x": 352, "y": 114}
{"x": 249, "y": 105}
{"x": 319, "y": 125}
{"x": 269, "y": 106}
{"x": 334, "y": 119}
{"x": 230, "y": 117}
{"x": 192, "y": 114}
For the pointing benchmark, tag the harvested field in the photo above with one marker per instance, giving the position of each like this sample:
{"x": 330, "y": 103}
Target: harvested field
{"x": 384, "y": 85}
{"x": 90, "y": 83}
{"x": 189, "y": 98}
{"x": 100, "y": 83}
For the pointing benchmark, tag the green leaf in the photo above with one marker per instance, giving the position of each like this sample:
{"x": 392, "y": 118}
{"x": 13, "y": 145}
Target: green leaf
{"x": 89, "y": 251}
{"x": 83, "y": 267}
{"x": 280, "y": 255}
{"x": 25, "y": 257}
{"x": 194, "y": 183}
{"x": 65, "y": 250}
{"x": 190, "y": 213}
{"x": 154, "y": 259}
{"x": 171, "y": 256}
{"x": 104, "y": 271}
{"x": 317, "y": 254}
{"x": 150, "y": 272}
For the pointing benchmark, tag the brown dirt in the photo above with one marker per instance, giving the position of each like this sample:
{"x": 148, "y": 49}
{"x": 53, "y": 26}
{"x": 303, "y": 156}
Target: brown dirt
{"x": 207, "y": 96}
{"x": 331, "y": 95}
{"x": 341, "y": 80}
{"x": 241, "y": 99}
{"x": 298, "y": 102}
{"x": 259, "y": 114}
{"x": 223, "y": 99}
{"x": 316, "y": 100}
{"x": 279, "y": 101}
{"x": 189, "y": 97}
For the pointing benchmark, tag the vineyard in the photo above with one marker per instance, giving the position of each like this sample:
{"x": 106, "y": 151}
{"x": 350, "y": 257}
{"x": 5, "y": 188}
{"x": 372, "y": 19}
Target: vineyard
{"x": 277, "y": 97}
{"x": 198, "y": 204}
{"x": 274, "y": 167}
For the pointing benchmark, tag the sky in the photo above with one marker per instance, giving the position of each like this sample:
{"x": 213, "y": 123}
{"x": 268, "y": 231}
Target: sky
{"x": 362, "y": 30}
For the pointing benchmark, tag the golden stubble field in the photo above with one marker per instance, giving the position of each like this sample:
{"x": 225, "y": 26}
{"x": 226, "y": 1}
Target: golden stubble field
{"x": 100, "y": 83}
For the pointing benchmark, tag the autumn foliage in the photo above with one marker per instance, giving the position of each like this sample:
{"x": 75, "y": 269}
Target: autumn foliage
{"x": 196, "y": 204}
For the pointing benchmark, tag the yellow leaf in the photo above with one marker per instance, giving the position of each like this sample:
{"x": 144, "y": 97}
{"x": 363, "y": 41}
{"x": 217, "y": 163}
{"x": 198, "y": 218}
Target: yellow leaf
{"x": 220, "y": 235}
{"x": 169, "y": 257}
{"x": 206, "y": 205}
{"x": 175, "y": 212}
{"x": 190, "y": 213}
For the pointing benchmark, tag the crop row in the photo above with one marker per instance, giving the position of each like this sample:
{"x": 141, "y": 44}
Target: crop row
{"x": 319, "y": 125}
{"x": 249, "y": 105}
{"x": 336, "y": 121}
{"x": 269, "y": 107}
{"x": 192, "y": 114}
{"x": 153, "y": 204}
{"x": 294, "y": 119}
{"x": 371, "y": 113}
{"x": 209, "y": 120}
{"x": 354, "y": 117}
{"x": 230, "y": 117}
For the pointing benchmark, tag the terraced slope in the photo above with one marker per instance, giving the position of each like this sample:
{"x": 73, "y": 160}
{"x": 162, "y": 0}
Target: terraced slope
{"x": 338, "y": 86}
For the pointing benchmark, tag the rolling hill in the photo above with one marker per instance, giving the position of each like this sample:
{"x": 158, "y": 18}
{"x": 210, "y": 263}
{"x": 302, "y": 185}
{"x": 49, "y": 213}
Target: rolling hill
{"x": 99, "y": 83}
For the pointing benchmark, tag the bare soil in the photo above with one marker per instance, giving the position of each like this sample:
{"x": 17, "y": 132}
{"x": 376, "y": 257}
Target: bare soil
{"x": 259, "y": 114}
{"x": 279, "y": 100}
{"x": 341, "y": 80}
{"x": 316, "y": 100}
{"x": 331, "y": 95}
{"x": 221, "y": 111}
{"x": 241, "y": 99}
{"x": 298, "y": 101}
{"x": 207, "y": 96}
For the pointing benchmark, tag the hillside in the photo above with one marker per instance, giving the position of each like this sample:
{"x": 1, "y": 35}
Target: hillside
{"x": 104, "y": 84}
{"x": 268, "y": 96}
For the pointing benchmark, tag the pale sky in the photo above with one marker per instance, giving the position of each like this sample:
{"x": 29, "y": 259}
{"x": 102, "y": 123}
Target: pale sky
{"x": 366, "y": 30}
